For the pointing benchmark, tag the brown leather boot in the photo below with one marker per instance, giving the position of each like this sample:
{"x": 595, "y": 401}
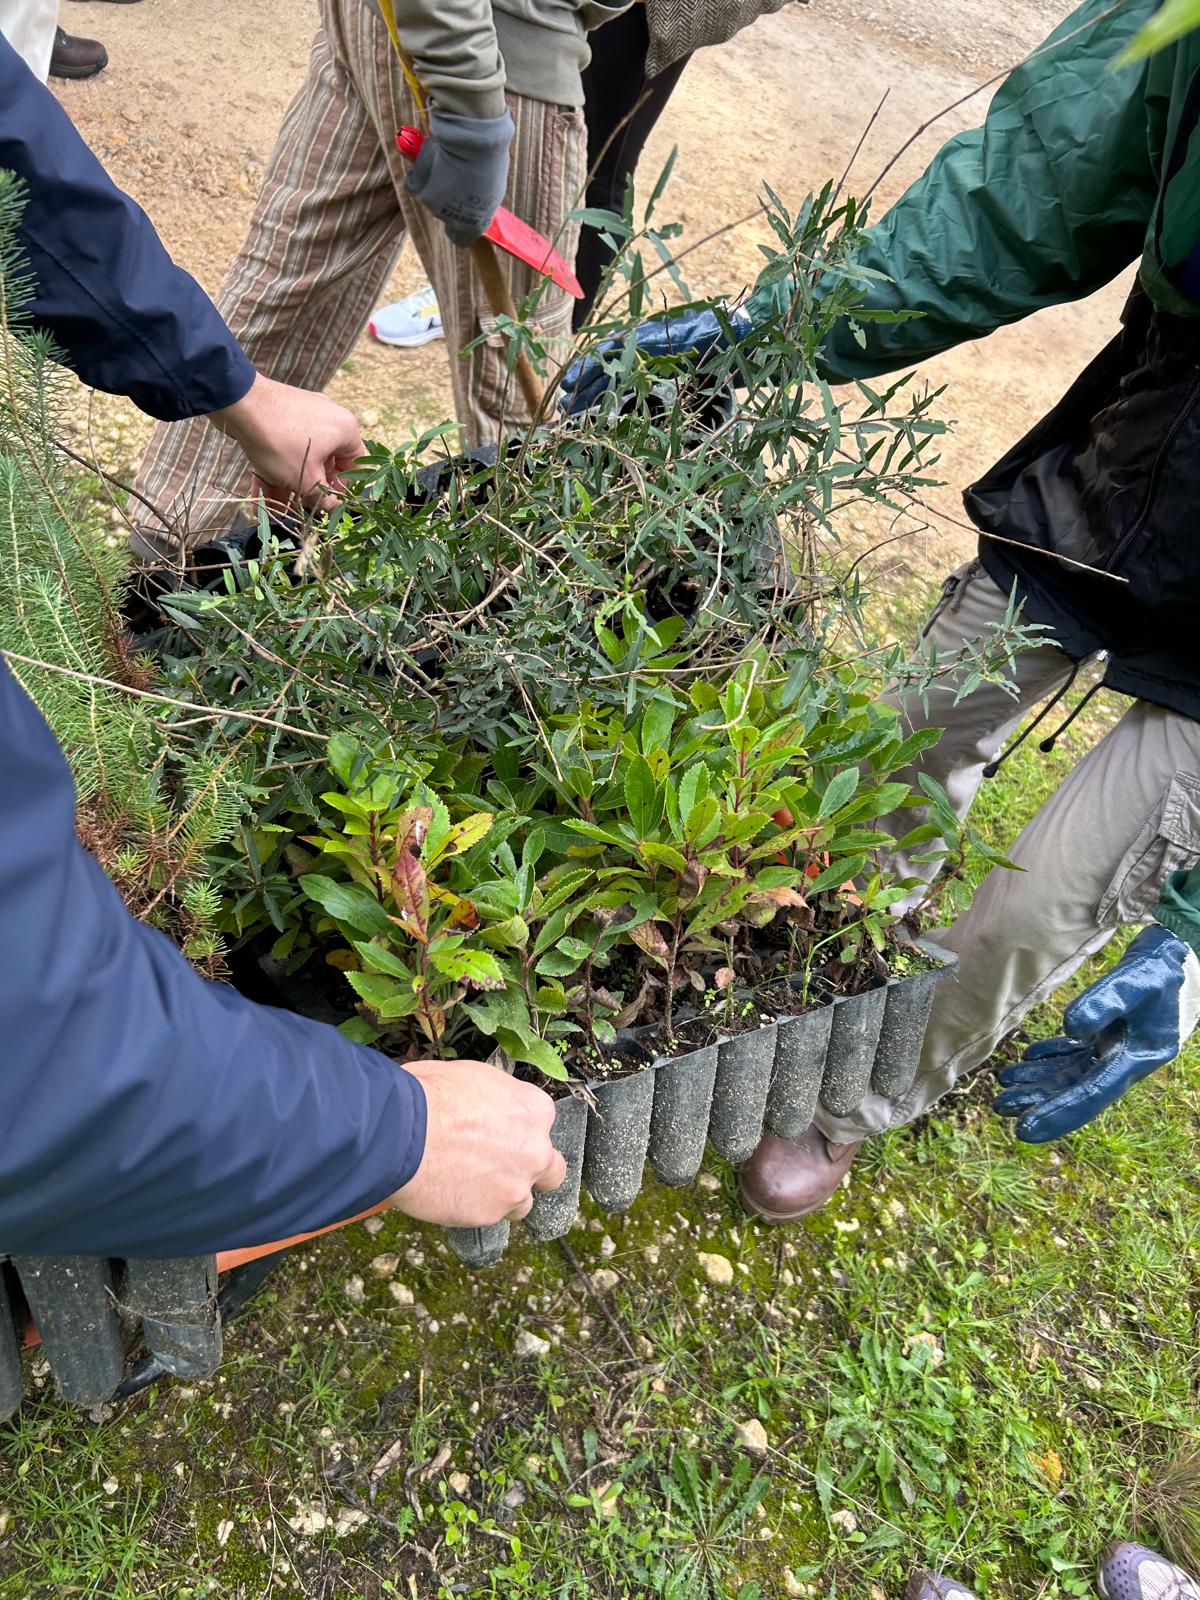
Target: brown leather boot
{"x": 76, "y": 58}
{"x": 786, "y": 1179}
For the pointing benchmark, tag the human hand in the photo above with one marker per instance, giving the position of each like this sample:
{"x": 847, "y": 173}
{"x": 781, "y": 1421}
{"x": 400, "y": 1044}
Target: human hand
{"x": 299, "y": 443}
{"x": 487, "y": 1146}
{"x": 688, "y": 333}
{"x": 461, "y": 172}
{"x": 1130, "y": 1022}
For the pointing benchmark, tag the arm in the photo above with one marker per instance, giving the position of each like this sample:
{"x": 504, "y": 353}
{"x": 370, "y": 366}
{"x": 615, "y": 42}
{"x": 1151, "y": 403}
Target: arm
{"x": 129, "y": 320}
{"x": 455, "y": 54}
{"x": 146, "y": 1111}
{"x": 1047, "y": 201}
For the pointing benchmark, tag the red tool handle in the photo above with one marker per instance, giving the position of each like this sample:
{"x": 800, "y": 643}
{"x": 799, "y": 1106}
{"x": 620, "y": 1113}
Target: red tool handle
{"x": 409, "y": 142}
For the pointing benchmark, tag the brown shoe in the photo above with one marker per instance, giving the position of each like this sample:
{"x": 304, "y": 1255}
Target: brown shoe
{"x": 935, "y": 1586}
{"x": 76, "y": 58}
{"x": 786, "y": 1179}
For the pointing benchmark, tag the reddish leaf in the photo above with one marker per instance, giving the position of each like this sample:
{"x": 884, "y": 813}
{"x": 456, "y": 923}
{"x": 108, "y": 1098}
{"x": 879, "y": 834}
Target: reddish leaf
{"x": 692, "y": 882}
{"x": 410, "y": 890}
{"x": 464, "y": 915}
{"x": 648, "y": 937}
{"x": 412, "y": 828}
{"x": 782, "y": 896}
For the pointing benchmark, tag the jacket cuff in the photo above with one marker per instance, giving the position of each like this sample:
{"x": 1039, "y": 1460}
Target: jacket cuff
{"x": 1178, "y": 908}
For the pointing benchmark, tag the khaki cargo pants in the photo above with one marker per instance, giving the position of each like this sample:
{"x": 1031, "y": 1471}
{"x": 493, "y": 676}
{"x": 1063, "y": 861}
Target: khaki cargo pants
{"x": 328, "y": 228}
{"x": 1093, "y": 856}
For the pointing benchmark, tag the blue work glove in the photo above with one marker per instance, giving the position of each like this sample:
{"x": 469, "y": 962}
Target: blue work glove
{"x": 1128, "y": 1023}
{"x": 461, "y": 172}
{"x": 690, "y": 333}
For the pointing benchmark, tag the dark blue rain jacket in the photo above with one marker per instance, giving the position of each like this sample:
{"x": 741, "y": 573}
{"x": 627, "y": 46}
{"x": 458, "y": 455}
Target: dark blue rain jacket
{"x": 144, "y": 1111}
{"x": 127, "y": 318}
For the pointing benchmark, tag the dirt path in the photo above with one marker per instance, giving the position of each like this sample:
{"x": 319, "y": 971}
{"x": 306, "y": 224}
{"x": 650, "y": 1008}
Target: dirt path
{"x": 187, "y": 112}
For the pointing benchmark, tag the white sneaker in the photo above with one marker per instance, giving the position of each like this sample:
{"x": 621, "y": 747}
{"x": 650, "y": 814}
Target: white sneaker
{"x": 408, "y": 323}
{"x": 1131, "y": 1572}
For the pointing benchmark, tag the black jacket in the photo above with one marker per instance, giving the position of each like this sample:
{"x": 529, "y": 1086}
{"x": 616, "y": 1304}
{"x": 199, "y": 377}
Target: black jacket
{"x": 1111, "y": 479}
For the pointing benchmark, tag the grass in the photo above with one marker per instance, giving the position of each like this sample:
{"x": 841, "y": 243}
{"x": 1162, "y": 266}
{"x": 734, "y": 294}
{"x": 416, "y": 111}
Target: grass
{"x": 980, "y": 1356}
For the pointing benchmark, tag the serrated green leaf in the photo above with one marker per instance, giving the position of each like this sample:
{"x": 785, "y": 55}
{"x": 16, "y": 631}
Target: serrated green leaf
{"x": 841, "y": 789}
{"x": 349, "y": 904}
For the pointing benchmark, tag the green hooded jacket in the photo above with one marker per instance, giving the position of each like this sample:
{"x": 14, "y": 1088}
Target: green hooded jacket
{"x": 1076, "y": 170}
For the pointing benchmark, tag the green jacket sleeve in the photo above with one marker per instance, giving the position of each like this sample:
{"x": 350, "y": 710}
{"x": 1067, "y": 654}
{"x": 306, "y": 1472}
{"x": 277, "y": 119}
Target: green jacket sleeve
{"x": 1045, "y": 202}
{"x": 1179, "y": 906}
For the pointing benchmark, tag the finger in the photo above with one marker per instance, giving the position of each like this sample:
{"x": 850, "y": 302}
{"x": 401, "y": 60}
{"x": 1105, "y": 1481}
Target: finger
{"x": 1047, "y": 1068}
{"x": 554, "y": 1175}
{"x": 1014, "y": 1101}
{"x": 519, "y": 1212}
{"x": 1074, "y": 1108}
{"x": 1044, "y": 1049}
{"x": 1017, "y": 1097}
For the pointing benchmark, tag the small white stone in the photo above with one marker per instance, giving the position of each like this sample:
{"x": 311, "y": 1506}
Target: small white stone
{"x": 845, "y": 1520}
{"x": 752, "y": 1436}
{"x": 709, "y": 1181}
{"x": 401, "y": 1293}
{"x": 852, "y": 1226}
{"x": 460, "y": 1482}
{"x": 716, "y": 1268}
{"x": 529, "y": 1344}
{"x": 111, "y": 1486}
{"x": 347, "y": 1520}
{"x": 792, "y": 1585}
{"x": 356, "y": 1291}
{"x": 373, "y": 1224}
{"x": 605, "y": 1279}
{"x": 384, "y": 1266}
{"x": 434, "y": 1326}
{"x": 651, "y": 1254}
{"x": 224, "y": 1529}
{"x": 607, "y": 1248}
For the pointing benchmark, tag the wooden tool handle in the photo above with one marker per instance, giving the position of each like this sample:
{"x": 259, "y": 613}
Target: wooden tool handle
{"x": 483, "y": 256}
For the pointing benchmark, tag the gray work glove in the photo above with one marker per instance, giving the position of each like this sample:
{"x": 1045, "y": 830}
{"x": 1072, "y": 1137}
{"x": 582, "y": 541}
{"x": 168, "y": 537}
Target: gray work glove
{"x": 462, "y": 172}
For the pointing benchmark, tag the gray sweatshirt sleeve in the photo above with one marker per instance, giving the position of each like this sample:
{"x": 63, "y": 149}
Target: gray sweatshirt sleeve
{"x": 455, "y": 53}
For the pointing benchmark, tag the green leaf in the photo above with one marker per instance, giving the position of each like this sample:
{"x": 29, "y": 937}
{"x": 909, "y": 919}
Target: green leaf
{"x": 358, "y": 1030}
{"x": 657, "y": 721}
{"x": 841, "y": 789}
{"x": 345, "y": 758}
{"x": 643, "y": 797}
{"x": 558, "y": 964}
{"x": 703, "y": 822}
{"x": 478, "y": 967}
{"x": 376, "y": 991}
{"x": 693, "y": 787}
{"x": 1169, "y": 22}
{"x": 510, "y": 934}
{"x": 349, "y": 904}
{"x": 379, "y": 958}
{"x": 525, "y": 1045}
{"x": 663, "y": 855}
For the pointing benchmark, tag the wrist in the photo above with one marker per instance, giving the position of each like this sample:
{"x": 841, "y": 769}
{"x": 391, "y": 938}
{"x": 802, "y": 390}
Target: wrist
{"x": 242, "y": 418}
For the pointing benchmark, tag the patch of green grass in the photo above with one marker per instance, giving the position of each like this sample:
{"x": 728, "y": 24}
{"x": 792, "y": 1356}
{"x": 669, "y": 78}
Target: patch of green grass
{"x": 979, "y": 1355}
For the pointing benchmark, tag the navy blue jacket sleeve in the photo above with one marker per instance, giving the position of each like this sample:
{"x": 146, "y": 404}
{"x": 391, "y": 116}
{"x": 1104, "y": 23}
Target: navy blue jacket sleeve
{"x": 143, "y": 1110}
{"x": 126, "y": 318}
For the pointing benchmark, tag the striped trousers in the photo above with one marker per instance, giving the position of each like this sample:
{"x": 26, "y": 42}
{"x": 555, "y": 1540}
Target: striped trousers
{"x": 329, "y": 225}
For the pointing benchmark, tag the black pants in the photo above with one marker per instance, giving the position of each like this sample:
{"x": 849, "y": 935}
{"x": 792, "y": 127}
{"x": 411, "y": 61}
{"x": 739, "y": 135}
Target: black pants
{"x": 614, "y": 83}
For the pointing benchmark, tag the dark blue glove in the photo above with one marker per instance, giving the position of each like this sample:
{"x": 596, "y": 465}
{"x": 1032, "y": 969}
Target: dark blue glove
{"x": 1127, "y": 1024}
{"x": 689, "y": 333}
{"x": 462, "y": 172}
